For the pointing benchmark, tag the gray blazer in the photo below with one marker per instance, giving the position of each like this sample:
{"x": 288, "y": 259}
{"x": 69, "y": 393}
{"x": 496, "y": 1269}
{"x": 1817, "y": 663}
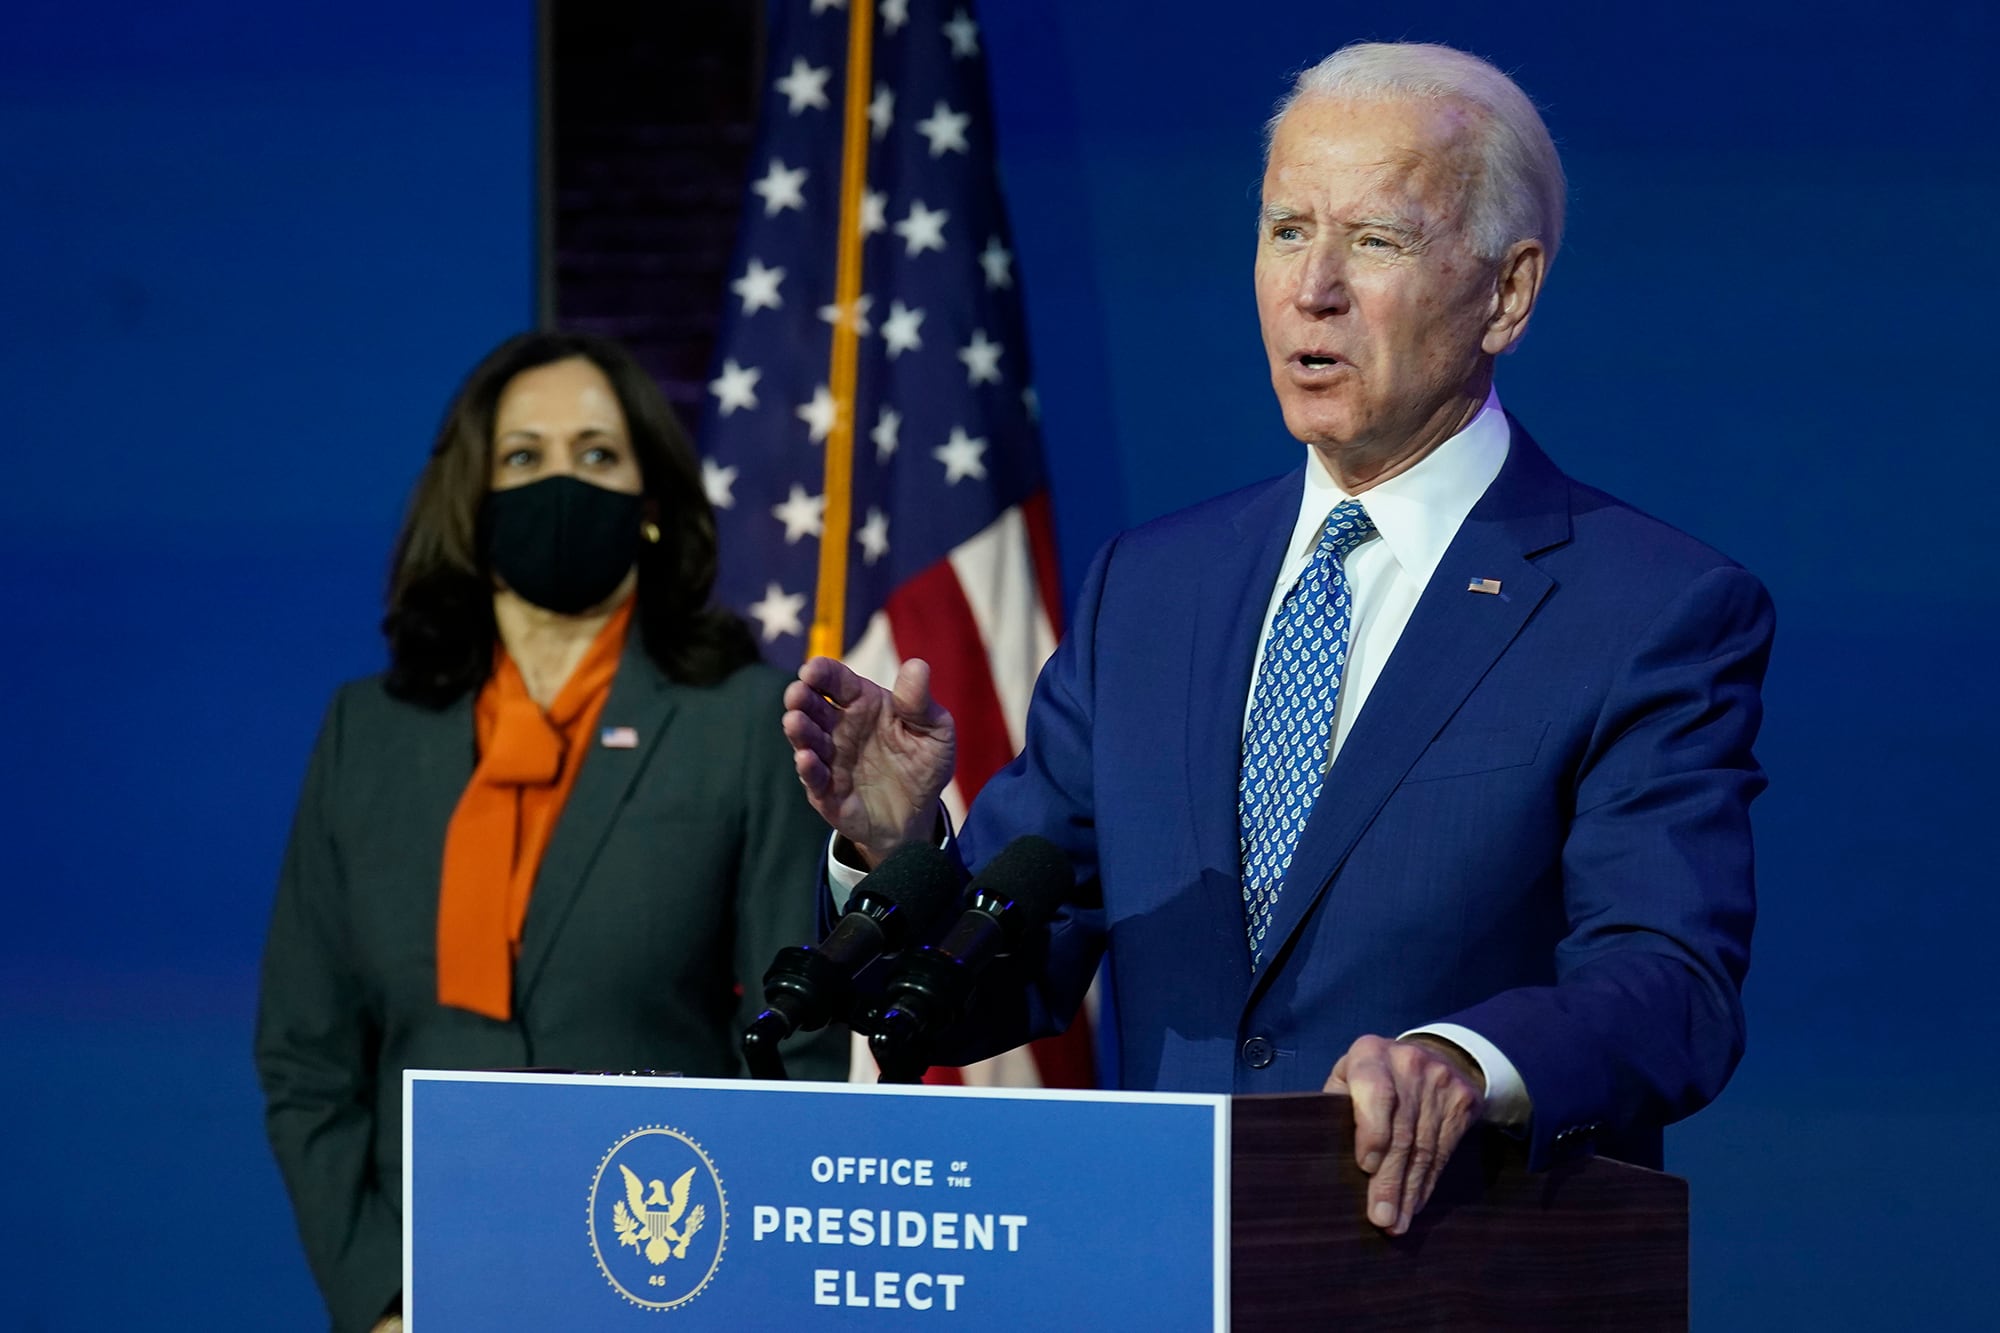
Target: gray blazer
{"x": 678, "y": 868}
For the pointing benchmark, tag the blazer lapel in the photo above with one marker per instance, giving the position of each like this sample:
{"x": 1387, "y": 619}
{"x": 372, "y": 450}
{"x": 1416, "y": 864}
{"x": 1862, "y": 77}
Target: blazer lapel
{"x": 1228, "y": 618}
{"x": 1453, "y": 638}
{"x": 644, "y": 700}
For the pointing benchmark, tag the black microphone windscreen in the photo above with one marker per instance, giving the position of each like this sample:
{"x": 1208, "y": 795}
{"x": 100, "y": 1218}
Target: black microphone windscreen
{"x": 1033, "y": 873}
{"x": 918, "y": 878}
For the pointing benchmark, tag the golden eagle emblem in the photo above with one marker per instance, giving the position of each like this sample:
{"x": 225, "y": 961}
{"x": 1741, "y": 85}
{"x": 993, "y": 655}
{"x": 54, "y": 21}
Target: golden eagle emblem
{"x": 654, "y": 1216}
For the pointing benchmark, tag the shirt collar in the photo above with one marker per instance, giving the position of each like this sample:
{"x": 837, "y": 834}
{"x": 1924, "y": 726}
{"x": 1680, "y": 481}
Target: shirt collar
{"x": 1418, "y": 511}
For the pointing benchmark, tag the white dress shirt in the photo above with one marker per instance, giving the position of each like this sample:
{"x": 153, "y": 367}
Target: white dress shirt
{"x": 1416, "y": 515}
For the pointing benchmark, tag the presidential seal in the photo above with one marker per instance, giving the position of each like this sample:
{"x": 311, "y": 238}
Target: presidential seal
{"x": 659, "y": 1219}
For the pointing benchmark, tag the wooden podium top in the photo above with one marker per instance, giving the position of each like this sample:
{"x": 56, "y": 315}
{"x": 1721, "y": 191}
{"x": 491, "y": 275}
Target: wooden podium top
{"x": 1596, "y": 1244}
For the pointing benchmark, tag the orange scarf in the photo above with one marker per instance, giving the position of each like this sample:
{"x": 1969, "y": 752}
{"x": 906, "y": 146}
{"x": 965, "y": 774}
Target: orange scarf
{"x": 528, "y": 762}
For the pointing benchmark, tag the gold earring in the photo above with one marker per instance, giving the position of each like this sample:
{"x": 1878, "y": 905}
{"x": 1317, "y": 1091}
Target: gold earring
{"x": 650, "y": 531}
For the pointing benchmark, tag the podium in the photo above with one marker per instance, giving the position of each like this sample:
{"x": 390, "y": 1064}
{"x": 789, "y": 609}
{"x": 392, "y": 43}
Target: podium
{"x": 598, "y": 1202}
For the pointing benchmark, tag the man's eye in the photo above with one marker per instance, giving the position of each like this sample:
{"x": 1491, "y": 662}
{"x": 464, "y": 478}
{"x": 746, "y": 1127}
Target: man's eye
{"x": 1377, "y": 243}
{"x": 1286, "y": 233}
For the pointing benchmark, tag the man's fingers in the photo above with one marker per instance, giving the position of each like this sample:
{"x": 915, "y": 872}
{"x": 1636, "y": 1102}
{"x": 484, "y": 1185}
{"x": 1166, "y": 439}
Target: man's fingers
{"x": 1384, "y": 1124}
{"x": 808, "y": 741}
{"x": 833, "y": 679}
{"x": 1445, "y": 1103}
{"x": 1385, "y": 1191}
{"x": 818, "y": 711}
{"x": 1431, "y": 1082}
{"x": 1412, "y": 1106}
{"x": 913, "y": 694}
{"x": 1451, "y": 1133}
{"x": 1364, "y": 1077}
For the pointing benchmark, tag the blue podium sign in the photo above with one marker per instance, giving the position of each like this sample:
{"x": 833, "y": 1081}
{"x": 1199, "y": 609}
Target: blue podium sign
{"x": 581, "y": 1201}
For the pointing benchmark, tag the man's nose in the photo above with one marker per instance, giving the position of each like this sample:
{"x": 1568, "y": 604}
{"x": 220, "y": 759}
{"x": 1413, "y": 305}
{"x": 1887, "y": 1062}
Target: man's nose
{"x": 1322, "y": 281}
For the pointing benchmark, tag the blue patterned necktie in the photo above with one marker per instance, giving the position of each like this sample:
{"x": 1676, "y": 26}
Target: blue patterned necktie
{"x": 1291, "y": 718}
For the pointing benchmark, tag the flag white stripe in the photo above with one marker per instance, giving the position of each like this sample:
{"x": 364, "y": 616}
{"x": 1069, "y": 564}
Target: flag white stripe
{"x": 996, "y": 570}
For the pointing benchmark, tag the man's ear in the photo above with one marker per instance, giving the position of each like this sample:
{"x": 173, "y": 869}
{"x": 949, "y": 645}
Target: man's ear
{"x": 1517, "y": 281}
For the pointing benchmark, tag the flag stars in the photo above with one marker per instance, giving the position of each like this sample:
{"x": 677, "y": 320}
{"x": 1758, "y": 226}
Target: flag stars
{"x": 945, "y": 129}
{"x": 882, "y": 110}
{"x": 899, "y": 331}
{"x": 922, "y": 229}
{"x": 856, "y": 319}
{"x": 873, "y": 536}
{"x": 820, "y": 413}
{"x": 962, "y": 456}
{"x": 801, "y": 514}
{"x": 981, "y": 358}
{"x": 735, "y": 387}
{"x": 718, "y": 482}
{"x": 887, "y": 424}
{"x": 778, "y": 613}
{"x": 821, "y": 6}
{"x": 780, "y": 188}
{"x": 964, "y": 35}
{"x": 895, "y": 13}
{"x": 759, "y": 287}
{"x": 998, "y": 263}
{"x": 874, "y": 212}
{"x": 805, "y": 87}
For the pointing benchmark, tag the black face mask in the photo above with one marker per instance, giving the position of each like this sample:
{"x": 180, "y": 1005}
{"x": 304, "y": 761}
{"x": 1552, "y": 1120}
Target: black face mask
{"x": 563, "y": 544}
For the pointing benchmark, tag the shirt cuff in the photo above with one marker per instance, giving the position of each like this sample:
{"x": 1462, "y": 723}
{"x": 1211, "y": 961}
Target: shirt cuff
{"x": 1507, "y": 1102}
{"x": 846, "y": 877}
{"x": 842, "y": 876}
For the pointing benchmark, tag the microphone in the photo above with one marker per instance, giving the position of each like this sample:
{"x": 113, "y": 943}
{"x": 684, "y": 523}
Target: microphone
{"x": 1016, "y": 894}
{"x": 903, "y": 900}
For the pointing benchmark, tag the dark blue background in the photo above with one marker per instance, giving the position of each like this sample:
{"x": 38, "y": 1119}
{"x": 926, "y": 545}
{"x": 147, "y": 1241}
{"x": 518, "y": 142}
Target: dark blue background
{"x": 247, "y": 250}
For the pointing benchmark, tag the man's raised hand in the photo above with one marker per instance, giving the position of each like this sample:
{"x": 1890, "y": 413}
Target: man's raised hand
{"x": 873, "y": 762}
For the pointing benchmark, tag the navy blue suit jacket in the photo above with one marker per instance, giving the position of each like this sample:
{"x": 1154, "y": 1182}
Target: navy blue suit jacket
{"x": 1537, "y": 827}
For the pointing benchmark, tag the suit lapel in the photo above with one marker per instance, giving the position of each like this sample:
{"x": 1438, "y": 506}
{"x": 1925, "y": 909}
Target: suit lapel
{"x": 642, "y": 699}
{"x": 1452, "y": 640}
{"x": 1229, "y": 617}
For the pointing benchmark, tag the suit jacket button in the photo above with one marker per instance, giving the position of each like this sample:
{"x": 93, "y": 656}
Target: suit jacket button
{"x": 1258, "y": 1053}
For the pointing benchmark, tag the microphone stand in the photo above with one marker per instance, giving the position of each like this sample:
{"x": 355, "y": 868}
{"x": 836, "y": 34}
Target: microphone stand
{"x": 760, "y": 1046}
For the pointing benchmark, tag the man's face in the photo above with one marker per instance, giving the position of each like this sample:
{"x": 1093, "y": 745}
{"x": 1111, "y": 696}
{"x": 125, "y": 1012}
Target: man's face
{"x": 1373, "y": 306}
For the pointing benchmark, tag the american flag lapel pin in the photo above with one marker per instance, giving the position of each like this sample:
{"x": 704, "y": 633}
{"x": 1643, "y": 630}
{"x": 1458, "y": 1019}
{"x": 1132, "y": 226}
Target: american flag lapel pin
{"x": 618, "y": 738}
{"x": 1483, "y": 585}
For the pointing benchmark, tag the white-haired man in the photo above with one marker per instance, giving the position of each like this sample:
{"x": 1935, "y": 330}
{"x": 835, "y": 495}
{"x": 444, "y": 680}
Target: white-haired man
{"x": 1421, "y": 773}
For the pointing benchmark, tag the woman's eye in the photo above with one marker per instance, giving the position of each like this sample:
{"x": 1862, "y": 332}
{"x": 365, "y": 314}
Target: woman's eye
{"x": 598, "y": 455}
{"x": 522, "y": 457}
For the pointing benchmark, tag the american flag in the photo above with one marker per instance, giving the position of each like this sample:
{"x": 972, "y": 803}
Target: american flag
{"x": 933, "y": 539}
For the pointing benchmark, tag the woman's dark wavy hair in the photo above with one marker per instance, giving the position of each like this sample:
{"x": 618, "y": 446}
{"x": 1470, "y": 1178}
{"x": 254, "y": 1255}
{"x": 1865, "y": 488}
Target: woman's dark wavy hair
{"x": 440, "y": 605}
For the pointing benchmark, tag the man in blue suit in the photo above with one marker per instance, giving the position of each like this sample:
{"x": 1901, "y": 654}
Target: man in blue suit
{"x": 1421, "y": 773}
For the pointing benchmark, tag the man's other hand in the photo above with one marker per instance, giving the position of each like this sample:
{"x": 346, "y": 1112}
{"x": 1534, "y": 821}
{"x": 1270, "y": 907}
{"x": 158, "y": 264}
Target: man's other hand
{"x": 873, "y": 762}
{"x": 1413, "y": 1101}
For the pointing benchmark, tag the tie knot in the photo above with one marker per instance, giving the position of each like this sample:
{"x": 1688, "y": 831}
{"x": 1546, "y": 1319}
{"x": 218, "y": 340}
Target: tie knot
{"x": 1347, "y": 526}
{"x": 525, "y": 749}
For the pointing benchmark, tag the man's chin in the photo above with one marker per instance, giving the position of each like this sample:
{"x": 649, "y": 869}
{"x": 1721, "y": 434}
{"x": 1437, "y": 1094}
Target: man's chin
{"x": 1330, "y": 432}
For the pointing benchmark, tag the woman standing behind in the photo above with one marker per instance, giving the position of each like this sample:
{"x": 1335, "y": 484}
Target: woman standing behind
{"x": 562, "y": 830}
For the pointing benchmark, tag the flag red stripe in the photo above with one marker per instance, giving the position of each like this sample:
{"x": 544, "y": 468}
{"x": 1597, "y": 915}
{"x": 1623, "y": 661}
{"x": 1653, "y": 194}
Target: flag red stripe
{"x": 929, "y": 617}
{"x": 1069, "y": 1060}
